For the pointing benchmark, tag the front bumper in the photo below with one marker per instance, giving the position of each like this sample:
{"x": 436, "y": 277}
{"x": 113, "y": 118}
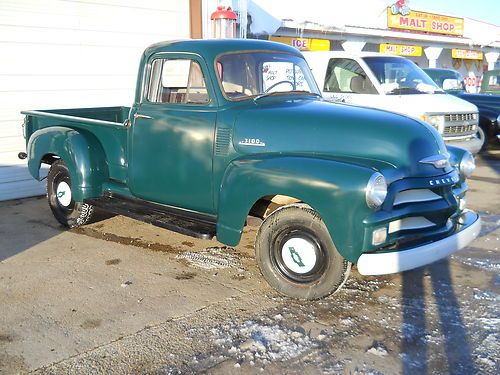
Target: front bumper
{"x": 473, "y": 145}
{"x": 407, "y": 259}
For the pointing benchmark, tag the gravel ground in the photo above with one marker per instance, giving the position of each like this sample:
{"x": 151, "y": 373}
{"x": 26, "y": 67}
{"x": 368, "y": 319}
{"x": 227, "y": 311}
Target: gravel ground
{"x": 119, "y": 296}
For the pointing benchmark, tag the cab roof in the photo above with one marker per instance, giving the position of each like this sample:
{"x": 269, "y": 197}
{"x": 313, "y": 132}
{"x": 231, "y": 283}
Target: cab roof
{"x": 211, "y": 48}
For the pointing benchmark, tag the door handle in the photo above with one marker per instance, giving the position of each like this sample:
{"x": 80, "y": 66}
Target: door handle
{"x": 138, "y": 115}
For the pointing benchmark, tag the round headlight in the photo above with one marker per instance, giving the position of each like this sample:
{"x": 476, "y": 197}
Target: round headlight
{"x": 467, "y": 164}
{"x": 376, "y": 191}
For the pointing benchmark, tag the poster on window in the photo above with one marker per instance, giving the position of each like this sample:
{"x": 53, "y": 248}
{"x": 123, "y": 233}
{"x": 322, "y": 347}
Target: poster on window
{"x": 282, "y": 76}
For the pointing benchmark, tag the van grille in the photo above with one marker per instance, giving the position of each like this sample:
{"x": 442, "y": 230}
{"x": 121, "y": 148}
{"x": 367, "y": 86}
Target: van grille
{"x": 460, "y": 124}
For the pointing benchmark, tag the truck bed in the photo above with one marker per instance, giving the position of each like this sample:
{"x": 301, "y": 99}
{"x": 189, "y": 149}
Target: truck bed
{"x": 113, "y": 115}
{"x": 105, "y": 123}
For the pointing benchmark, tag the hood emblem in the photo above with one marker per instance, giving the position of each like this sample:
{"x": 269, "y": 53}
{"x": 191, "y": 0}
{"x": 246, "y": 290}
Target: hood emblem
{"x": 252, "y": 142}
{"x": 438, "y": 161}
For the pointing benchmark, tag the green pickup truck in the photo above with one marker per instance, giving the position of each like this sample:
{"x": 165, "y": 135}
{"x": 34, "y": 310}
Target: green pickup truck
{"x": 223, "y": 130}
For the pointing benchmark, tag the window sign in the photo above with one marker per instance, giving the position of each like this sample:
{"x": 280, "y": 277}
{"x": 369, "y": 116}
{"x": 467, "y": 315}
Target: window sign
{"x": 284, "y": 76}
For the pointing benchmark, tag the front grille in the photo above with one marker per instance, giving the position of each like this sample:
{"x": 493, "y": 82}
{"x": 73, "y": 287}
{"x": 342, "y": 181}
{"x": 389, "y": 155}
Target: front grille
{"x": 416, "y": 206}
{"x": 460, "y": 124}
{"x": 459, "y": 129}
{"x": 459, "y": 117}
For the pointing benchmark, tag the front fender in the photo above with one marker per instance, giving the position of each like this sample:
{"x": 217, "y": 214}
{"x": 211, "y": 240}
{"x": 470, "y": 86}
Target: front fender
{"x": 336, "y": 190}
{"x": 81, "y": 152}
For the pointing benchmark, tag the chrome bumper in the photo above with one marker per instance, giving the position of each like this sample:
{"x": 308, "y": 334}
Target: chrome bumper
{"x": 472, "y": 145}
{"x": 404, "y": 260}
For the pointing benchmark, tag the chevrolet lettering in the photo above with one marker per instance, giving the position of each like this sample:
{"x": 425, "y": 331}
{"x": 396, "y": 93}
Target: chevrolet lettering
{"x": 219, "y": 130}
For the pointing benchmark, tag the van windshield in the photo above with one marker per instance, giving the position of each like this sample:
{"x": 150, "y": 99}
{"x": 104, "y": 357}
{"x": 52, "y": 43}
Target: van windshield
{"x": 399, "y": 76}
{"x": 253, "y": 74}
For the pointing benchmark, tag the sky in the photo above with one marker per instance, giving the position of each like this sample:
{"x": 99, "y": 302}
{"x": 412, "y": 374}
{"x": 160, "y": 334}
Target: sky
{"x": 482, "y": 10}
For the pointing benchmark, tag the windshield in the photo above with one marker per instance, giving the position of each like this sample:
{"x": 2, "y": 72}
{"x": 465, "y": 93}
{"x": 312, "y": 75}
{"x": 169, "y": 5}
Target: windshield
{"x": 448, "y": 80}
{"x": 254, "y": 74}
{"x": 399, "y": 76}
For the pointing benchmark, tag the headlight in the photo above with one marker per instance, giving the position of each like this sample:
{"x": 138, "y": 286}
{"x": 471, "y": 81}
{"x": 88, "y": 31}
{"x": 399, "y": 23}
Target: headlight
{"x": 467, "y": 164}
{"x": 437, "y": 121}
{"x": 376, "y": 191}
{"x": 498, "y": 119}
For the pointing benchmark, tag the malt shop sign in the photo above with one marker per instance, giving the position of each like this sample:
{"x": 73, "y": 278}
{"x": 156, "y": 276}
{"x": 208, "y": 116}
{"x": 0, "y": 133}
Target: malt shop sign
{"x": 400, "y": 49}
{"x": 426, "y": 22}
{"x": 466, "y": 54}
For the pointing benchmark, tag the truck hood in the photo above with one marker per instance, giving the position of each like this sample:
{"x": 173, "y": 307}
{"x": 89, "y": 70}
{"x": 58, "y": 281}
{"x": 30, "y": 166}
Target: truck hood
{"x": 418, "y": 104}
{"x": 374, "y": 138}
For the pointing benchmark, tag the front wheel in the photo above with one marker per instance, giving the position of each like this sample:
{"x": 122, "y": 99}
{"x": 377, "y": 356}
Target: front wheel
{"x": 296, "y": 254}
{"x": 65, "y": 209}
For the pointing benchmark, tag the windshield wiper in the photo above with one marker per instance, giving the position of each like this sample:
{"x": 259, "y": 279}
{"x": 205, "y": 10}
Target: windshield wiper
{"x": 299, "y": 92}
{"x": 405, "y": 90}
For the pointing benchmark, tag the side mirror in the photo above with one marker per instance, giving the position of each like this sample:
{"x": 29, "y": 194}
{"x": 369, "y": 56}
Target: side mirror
{"x": 451, "y": 84}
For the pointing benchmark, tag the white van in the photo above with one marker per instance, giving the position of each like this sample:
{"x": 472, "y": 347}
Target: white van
{"x": 395, "y": 84}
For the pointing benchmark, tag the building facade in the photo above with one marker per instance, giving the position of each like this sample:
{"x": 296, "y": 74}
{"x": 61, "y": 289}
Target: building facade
{"x": 64, "y": 54}
{"x": 429, "y": 39}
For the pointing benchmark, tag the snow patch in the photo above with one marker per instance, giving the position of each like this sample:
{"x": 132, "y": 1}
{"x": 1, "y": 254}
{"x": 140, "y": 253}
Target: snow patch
{"x": 259, "y": 341}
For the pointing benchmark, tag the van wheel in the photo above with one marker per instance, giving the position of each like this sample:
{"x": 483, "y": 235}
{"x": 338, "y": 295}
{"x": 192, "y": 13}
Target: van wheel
{"x": 68, "y": 212}
{"x": 296, "y": 254}
{"x": 483, "y": 136}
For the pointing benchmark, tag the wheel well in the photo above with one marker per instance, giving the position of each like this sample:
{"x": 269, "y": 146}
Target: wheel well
{"x": 270, "y": 203}
{"x": 50, "y": 158}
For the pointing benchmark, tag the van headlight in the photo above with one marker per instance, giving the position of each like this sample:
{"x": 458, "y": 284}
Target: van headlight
{"x": 467, "y": 165}
{"x": 437, "y": 121}
{"x": 376, "y": 191}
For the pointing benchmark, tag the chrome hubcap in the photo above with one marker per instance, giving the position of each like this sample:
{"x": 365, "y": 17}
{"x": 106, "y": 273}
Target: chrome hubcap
{"x": 299, "y": 255}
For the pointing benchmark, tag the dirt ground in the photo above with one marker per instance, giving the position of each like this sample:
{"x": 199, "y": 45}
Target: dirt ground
{"x": 119, "y": 296}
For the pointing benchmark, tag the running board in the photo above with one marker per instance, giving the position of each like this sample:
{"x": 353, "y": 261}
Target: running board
{"x": 186, "y": 222}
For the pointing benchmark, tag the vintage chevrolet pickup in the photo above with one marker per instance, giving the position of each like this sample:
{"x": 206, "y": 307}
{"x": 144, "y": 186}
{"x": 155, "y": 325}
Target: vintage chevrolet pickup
{"x": 220, "y": 130}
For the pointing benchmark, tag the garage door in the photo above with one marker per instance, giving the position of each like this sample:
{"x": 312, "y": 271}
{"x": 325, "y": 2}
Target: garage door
{"x": 71, "y": 53}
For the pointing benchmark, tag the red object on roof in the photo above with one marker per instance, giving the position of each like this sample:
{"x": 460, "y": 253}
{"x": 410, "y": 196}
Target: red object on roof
{"x": 223, "y": 13}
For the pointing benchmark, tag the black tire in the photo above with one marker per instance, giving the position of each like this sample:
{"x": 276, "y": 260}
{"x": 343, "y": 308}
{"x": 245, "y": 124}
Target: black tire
{"x": 483, "y": 136}
{"x": 68, "y": 212}
{"x": 316, "y": 270}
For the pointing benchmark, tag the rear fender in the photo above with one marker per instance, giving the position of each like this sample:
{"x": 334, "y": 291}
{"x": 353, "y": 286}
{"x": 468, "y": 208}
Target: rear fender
{"x": 335, "y": 190}
{"x": 80, "y": 151}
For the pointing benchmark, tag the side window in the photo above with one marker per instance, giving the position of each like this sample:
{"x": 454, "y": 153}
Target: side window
{"x": 177, "y": 81}
{"x": 345, "y": 75}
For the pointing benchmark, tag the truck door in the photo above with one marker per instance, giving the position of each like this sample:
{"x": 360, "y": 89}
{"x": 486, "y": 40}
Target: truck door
{"x": 346, "y": 81}
{"x": 172, "y": 135}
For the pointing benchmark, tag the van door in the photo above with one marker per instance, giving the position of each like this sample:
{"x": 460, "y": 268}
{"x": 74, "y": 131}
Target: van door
{"x": 346, "y": 81}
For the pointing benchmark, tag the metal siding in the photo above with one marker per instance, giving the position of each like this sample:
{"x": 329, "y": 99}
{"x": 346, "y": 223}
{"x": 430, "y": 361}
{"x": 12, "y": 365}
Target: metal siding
{"x": 71, "y": 53}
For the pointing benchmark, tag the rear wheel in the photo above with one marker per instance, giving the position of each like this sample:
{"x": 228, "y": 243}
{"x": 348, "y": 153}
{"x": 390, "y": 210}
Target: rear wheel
{"x": 296, "y": 254}
{"x": 65, "y": 209}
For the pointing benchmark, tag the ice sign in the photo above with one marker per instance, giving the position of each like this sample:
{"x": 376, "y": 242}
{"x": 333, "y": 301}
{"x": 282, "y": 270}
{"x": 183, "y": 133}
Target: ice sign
{"x": 283, "y": 76}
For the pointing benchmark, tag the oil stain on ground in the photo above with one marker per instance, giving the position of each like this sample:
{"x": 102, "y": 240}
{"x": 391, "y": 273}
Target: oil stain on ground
{"x": 91, "y": 323}
{"x": 133, "y": 241}
{"x": 111, "y": 262}
{"x": 185, "y": 276}
{"x": 6, "y": 337}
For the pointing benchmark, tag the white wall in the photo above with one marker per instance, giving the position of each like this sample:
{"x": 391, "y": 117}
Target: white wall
{"x": 71, "y": 53}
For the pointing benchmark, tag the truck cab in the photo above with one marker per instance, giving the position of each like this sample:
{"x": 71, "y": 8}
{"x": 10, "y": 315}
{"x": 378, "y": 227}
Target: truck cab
{"x": 395, "y": 84}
